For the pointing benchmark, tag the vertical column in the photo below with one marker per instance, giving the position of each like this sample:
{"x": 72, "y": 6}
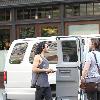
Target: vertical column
{"x": 13, "y": 30}
{"x": 62, "y": 28}
{"x": 37, "y": 29}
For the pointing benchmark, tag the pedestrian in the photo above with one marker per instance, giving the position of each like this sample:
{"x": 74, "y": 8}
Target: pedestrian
{"x": 41, "y": 68}
{"x": 90, "y": 68}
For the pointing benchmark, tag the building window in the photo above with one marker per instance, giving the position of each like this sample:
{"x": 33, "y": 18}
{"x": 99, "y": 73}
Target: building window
{"x": 27, "y": 13}
{"x": 55, "y": 12}
{"x": 26, "y": 32}
{"x": 4, "y": 14}
{"x": 49, "y": 31}
{"x": 41, "y": 13}
{"x": 48, "y": 12}
{"x": 20, "y": 14}
{"x": 7, "y": 14}
{"x": 38, "y": 12}
{"x": 72, "y": 10}
{"x": 85, "y": 29}
{"x": 96, "y": 8}
{"x": 33, "y": 13}
{"x": 90, "y": 9}
{"x": 68, "y": 11}
{"x": 82, "y": 9}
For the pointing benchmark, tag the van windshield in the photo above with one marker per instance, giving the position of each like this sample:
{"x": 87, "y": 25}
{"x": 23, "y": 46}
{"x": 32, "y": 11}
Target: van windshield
{"x": 51, "y": 55}
{"x": 18, "y": 53}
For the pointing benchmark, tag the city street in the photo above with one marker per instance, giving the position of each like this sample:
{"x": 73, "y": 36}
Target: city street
{"x": 1, "y": 98}
{"x": 1, "y": 91}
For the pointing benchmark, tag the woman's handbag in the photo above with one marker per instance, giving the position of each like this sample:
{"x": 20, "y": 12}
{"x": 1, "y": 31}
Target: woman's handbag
{"x": 90, "y": 84}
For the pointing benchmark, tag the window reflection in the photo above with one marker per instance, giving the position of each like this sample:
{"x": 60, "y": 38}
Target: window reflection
{"x": 4, "y": 14}
{"x": 26, "y": 32}
{"x": 72, "y": 10}
{"x": 82, "y": 9}
{"x": 90, "y": 9}
{"x": 49, "y": 31}
{"x": 96, "y": 8}
{"x": 55, "y": 12}
{"x": 51, "y": 55}
{"x": 18, "y": 52}
{"x": 69, "y": 49}
{"x": 40, "y": 12}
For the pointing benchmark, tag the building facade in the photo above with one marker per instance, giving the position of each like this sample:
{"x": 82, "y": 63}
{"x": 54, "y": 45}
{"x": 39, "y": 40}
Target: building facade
{"x": 32, "y": 18}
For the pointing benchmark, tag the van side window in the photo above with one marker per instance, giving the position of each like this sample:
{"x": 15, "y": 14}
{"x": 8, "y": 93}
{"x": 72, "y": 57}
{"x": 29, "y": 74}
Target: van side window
{"x": 51, "y": 55}
{"x": 18, "y": 52}
{"x": 69, "y": 49}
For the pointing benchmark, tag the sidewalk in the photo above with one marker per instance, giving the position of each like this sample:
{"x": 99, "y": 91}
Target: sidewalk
{"x": 1, "y": 90}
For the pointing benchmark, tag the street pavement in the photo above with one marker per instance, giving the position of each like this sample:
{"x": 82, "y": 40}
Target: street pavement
{"x": 1, "y": 91}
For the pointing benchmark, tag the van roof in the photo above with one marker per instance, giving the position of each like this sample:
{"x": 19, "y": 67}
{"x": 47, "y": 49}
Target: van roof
{"x": 88, "y": 36}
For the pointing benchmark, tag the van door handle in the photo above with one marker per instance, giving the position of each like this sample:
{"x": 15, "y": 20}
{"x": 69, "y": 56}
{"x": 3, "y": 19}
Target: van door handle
{"x": 64, "y": 71}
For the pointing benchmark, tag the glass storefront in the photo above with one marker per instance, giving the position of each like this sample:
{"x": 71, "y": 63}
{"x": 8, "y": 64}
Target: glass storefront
{"x": 26, "y": 32}
{"x": 84, "y": 29}
{"x": 49, "y": 31}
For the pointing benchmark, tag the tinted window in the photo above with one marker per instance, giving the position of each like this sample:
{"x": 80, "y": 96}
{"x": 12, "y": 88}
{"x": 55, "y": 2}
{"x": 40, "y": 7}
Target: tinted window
{"x": 69, "y": 49}
{"x": 51, "y": 55}
{"x": 18, "y": 53}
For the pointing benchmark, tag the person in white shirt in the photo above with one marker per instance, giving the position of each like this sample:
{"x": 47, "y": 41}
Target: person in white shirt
{"x": 90, "y": 67}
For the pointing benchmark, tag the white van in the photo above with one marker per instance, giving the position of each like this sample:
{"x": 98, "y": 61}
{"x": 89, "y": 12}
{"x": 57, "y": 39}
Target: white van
{"x": 18, "y": 68}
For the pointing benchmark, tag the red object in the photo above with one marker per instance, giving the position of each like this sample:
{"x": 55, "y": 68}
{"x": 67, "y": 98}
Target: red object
{"x": 5, "y": 76}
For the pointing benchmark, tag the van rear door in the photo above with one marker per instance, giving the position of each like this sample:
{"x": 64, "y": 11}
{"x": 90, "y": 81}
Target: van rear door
{"x": 69, "y": 61}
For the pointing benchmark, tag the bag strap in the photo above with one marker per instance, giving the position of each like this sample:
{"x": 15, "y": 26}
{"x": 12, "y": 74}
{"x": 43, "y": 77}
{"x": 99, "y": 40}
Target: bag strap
{"x": 96, "y": 62}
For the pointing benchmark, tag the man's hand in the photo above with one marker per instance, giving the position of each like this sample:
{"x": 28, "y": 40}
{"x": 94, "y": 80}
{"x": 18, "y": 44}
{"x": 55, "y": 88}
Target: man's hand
{"x": 49, "y": 70}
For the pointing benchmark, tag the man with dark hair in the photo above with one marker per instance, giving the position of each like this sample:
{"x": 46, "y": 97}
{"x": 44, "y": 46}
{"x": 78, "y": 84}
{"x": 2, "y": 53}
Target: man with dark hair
{"x": 41, "y": 68}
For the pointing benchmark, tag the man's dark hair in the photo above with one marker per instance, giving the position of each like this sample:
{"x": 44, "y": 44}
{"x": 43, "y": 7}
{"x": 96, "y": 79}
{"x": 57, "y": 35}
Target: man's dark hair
{"x": 40, "y": 47}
